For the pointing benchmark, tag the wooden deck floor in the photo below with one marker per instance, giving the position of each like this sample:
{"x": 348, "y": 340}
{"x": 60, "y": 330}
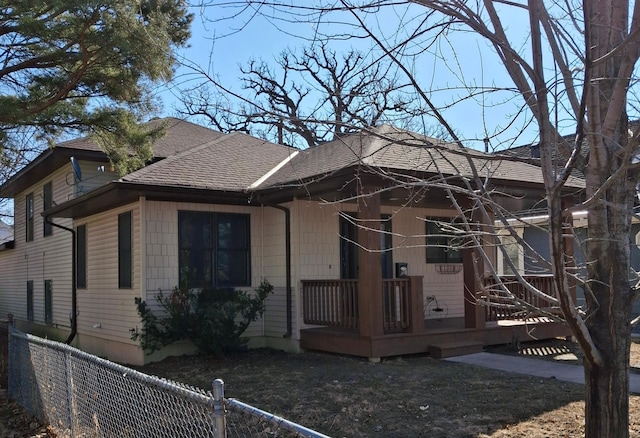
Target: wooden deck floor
{"x": 349, "y": 342}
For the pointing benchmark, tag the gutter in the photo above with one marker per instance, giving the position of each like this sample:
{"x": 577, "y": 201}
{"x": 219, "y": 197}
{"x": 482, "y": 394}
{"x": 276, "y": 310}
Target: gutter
{"x": 74, "y": 289}
{"x": 287, "y": 225}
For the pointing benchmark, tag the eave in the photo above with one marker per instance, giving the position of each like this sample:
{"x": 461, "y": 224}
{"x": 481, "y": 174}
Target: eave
{"x": 43, "y": 166}
{"x": 117, "y": 193}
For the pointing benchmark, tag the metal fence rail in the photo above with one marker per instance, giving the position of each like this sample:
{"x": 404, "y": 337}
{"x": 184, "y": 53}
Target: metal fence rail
{"x": 81, "y": 395}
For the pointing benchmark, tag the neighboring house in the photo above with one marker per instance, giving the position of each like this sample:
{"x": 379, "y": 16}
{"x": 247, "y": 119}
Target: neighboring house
{"x": 532, "y": 228}
{"x": 231, "y": 210}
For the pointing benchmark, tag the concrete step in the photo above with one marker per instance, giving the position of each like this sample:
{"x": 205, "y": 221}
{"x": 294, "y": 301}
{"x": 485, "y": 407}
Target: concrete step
{"x": 450, "y": 349}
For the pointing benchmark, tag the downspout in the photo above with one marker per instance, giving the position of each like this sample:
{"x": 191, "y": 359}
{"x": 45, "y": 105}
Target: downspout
{"x": 74, "y": 302}
{"x": 287, "y": 226}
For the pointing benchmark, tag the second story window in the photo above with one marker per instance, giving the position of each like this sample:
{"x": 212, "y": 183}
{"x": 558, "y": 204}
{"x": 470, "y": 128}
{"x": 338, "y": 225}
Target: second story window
{"x": 29, "y": 217}
{"x": 81, "y": 257}
{"x": 47, "y": 202}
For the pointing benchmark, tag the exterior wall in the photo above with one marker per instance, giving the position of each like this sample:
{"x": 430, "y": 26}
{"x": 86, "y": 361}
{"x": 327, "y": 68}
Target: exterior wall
{"x": 445, "y": 281}
{"x": 316, "y": 251}
{"x": 44, "y": 258}
{"x": 267, "y": 261}
{"x": 94, "y": 175}
{"x": 106, "y": 313}
{"x": 273, "y": 268}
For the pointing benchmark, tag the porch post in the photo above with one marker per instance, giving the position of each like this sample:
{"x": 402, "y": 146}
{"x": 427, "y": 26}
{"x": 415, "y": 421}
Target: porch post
{"x": 370, "y": 305}
{"x": 474, "y": 314}
{"x": 417, "y": 310}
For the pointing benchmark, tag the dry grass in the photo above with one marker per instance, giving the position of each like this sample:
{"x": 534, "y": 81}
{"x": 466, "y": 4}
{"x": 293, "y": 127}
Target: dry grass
{"x": 399, "y": 397}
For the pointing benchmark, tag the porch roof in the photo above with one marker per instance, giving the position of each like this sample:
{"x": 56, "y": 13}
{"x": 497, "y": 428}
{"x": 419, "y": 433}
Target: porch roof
{"x": 387, "y": 147}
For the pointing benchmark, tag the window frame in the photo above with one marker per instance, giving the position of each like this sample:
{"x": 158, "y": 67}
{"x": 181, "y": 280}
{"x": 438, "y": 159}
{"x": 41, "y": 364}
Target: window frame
{"x": 48, "y": 301}
{"x": 30, "y": 314}
{"x": 29, "y": 217}
{"x": 125, "y": 250}
{"x": 440, "y": 243}
{"x": 214, "y": 251}
{"x": 81, "y": 256}
{"x": 47, "y": 202}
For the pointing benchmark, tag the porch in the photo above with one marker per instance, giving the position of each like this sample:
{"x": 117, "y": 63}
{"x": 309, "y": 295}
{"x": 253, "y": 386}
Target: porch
{"x": 332, "y": 306}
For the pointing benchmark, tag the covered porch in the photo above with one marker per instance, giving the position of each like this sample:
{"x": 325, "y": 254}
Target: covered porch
{"x": 373, "y": 316}
{"x": 333, "y": 308}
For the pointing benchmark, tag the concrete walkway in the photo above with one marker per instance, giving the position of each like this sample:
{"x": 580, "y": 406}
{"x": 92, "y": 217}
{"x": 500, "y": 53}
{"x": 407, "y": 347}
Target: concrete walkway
{"x": 535, "y": 367}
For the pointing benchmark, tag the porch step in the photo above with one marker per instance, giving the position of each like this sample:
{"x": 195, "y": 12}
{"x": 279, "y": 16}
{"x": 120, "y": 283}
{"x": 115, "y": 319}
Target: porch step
{"x": 450, "y": 349}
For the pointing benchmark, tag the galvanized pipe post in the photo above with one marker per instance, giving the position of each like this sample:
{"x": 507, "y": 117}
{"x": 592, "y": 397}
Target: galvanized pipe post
{"x": 219, "y": 413}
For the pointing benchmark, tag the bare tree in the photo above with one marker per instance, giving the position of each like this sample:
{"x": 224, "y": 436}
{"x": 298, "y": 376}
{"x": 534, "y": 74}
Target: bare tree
{"x": 597, "y": 102}
{"x": 307, "y": 98}
{"x": 576, "y": 67}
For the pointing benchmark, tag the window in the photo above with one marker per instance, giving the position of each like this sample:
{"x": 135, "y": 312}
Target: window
{"x": 47, "y": 202}
{"x": 443, "y": 246}
{"x": 81, "y": 257}
{"x": 30, "y": 300}
{"x": 214, "y": 249}
{"x": 48, "y": 301}
{"x": 124, "y": 250}
{"x": 512, "y": 251}
{"x": 349, "y": 248}
{"x": 29, "y": 217}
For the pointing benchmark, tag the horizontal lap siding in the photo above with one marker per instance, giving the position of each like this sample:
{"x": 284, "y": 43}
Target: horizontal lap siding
{"x": 44, "y": 258}
{"x": 105, "y": 310}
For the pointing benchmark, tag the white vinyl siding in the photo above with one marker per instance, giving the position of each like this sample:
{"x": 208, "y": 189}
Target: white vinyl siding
{"x": 94, "y": 175}
{"x": 105, "y": 310}
{"x": 38, "y": 260}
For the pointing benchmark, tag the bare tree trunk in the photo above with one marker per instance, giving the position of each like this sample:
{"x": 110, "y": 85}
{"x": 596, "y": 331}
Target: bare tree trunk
{"x": 611, "y": 183}
{"x": 609, "y": 307}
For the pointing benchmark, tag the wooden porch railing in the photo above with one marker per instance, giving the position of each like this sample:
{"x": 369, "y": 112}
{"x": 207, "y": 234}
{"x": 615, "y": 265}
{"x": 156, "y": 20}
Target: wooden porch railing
{"x": 396, "y": 299}
{"x": 501, "y": 310}
{"x": 334, "y": 303}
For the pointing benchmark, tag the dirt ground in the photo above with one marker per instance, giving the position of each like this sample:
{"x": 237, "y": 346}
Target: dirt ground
{"x": 409, "y": 396}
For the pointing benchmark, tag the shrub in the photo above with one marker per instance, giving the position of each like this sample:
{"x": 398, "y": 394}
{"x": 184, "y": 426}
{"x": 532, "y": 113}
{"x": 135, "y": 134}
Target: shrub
{"x": 213, "y": 319}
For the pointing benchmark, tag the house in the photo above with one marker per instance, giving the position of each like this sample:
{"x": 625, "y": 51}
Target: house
{"x": 531, "y": 258}
{"x": 331, "y": 227}
{"x": 6, "y": 233}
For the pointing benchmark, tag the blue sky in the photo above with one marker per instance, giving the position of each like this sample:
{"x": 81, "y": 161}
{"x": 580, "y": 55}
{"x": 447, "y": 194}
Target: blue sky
{"x": 220, "y": 45}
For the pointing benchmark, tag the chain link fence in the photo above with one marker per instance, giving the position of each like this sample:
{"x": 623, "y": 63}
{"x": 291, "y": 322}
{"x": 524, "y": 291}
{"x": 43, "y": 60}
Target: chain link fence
{"x": 81, "y": 395}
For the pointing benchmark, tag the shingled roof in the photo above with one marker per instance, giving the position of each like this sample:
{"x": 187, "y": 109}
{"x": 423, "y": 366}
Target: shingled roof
{"x": 388, "y": 147}
{"x": 233, "y": 168}
{"x": 232, "y": 162}
{"x": 181, "y": 135}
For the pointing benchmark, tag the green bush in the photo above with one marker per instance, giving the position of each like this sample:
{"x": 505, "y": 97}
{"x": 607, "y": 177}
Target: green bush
{"x": 213, "y": 319}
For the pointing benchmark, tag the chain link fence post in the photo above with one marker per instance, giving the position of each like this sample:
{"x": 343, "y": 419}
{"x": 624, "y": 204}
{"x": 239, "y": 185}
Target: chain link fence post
{"x": 53, "y": 381}
{"x": 70, "y": 393}
{"x": 219, "y": 409}
{"x": 11, "y": 359}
